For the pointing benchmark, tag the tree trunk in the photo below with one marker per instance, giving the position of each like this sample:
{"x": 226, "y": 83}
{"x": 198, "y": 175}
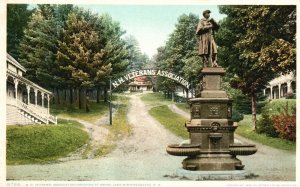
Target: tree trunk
{"x": 54, "y": 96}
{"x": 173, "y": 96}
{"x": 253, "y": 103}
{"x": 84, "y": 99}
{"x": 105, "y": 94}
{"x": 66, "y": 97}
{"x": 98, "y": 95}
{"x": 57, "y": 95}
{"x": 79, "y": 98}
{"x": 187, "y": 95}
{"x": 71, "y": 96}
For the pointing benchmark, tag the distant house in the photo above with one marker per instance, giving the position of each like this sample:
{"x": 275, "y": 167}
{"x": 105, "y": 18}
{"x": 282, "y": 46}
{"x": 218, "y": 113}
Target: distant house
{"x": 140, "y": 84}
{"x": 281, "y": 87}
{"x": 26, "y": 102}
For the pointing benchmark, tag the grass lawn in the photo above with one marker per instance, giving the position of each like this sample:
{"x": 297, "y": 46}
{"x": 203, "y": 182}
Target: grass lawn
{"x": 275, "y": 106}
{"x": 245, "y": 130}
{"x": 42, "y": 143}
{"x": 156, "y": 99}
{"x": 120, "y": 127}
{"x": 184, "y": 106}
{"x": 161, "y": 112}
{"x": 171, "y": 120}
{"x": 96, "y": 111}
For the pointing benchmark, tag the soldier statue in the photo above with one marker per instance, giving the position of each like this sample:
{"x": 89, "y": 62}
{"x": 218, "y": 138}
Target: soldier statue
{"x": 207, "y": 45}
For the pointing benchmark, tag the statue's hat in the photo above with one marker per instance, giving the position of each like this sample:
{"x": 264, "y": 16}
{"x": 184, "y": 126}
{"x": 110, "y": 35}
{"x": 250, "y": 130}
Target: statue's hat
{"x": 206, "y": 11}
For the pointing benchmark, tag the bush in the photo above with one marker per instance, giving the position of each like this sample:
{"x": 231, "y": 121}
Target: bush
{"x": 265, "y": 125}
{"x": 237, "y": 116}
{"x": 285, "y": 123}
{"x": 291, "y": 96}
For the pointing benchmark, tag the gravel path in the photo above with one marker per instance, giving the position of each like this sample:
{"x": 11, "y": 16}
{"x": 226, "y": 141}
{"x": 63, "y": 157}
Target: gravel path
{"x": 268, "y": 163}
{"x": 97, "y": 133}
{"x": 142, "y": 156}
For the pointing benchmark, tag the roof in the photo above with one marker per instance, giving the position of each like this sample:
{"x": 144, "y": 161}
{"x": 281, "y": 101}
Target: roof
{"x": 10, "y": 59}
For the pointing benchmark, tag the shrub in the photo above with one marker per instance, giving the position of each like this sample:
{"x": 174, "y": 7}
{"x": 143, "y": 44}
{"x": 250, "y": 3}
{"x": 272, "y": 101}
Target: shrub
{"x": 285, "y": 123}
{"x": 265, "y": 125}
{"x": 237, "y": 116}
{"x": 290, "y": 96}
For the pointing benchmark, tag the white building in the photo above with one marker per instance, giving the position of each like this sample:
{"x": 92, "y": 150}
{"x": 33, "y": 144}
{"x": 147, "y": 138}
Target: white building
{"x": 26, "y": 102}
{"x": 281, "y": 86}
{"x": 140, "y": 84}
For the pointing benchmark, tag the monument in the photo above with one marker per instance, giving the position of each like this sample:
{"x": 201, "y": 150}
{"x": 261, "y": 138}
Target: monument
{"x": 211, "y": 130}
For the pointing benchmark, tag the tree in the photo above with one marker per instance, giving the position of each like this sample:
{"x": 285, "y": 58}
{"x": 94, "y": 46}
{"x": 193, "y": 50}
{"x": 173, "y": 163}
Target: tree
{"x": 115, "y": 51}
{"x": 80, "y": 56}
{"x": 38, "y": 47}
{"x": 179, "y": 55}
{"x": 255, "y": 44}
{"x": 17, "y": 17}
{"x": 138, "y": 60}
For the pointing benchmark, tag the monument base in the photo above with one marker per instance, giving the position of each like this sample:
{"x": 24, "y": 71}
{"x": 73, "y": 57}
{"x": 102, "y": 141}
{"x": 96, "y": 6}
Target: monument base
{"x": 212, "y": 175}
{"x": 212, "y": 162}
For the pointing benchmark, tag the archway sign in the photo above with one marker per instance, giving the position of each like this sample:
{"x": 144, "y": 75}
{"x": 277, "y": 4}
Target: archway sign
{"x": 150, "y": 72}
{"x": 145, "y": 72}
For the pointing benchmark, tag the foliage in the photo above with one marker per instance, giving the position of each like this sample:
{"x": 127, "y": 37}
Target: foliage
{"x": 265, "y": 125}
{"x": 256, "y": 43}
{"x": 244, "y": 129}
{"x": 137, "y": 60}
{"x": 38, "y": 47}
{"x": 237, "y": 116}
{"x": 17, "y": 17}
{"x": 40, "y": 144}
{"x": 179, "y": 54}
{"x": 79, "y": 54}
{"x": 274, "y": 108}
{"x": 285, "y": 123}
{"x": 65, "y": 47}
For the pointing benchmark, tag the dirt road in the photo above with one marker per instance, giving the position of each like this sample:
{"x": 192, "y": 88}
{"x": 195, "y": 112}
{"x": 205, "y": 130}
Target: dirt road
{"x": 142, "y": 156}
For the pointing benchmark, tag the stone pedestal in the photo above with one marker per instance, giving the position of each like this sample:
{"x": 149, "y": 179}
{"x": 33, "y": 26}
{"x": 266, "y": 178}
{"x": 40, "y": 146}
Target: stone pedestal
{"x": 211, "y": 129}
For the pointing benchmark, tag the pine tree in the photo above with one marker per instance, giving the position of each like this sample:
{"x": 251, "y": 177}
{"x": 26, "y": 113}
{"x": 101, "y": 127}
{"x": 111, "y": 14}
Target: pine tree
{"x": 38, "y": 47}
{"x": 17, "y": 17}
{"x": 80, "y": 57}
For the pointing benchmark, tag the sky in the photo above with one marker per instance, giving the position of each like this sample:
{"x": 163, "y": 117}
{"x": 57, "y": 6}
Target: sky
{"x": 151, "y": 25}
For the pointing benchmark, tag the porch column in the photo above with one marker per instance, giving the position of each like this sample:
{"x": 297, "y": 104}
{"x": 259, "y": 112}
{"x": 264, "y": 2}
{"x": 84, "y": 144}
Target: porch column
{"x": 279, "y": 91}
{"x": 271, "y": 92}
{"x": 264, "y": 92}
{"x": 43, "y": 99}
{"x": 289, "y": 87}
{"x": 48, "y": 99}
{"x": 28, "y": 94}
{"x": 16, "y": 81}
{"x": 35, "y": 95}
